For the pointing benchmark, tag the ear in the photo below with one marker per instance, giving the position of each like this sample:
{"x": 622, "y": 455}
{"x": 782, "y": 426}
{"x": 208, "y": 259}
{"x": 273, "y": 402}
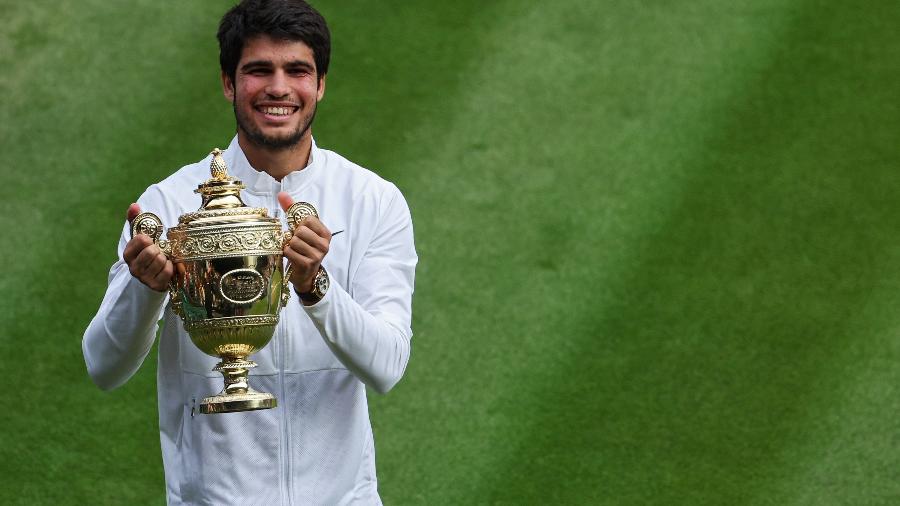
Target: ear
{"x": 320, "y": 92}
{"x": 227, "y": 87}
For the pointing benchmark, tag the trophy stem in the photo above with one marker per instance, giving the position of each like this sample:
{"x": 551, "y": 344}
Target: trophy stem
{"x": 237, "y": 394}
{"x": 237, "y": 374}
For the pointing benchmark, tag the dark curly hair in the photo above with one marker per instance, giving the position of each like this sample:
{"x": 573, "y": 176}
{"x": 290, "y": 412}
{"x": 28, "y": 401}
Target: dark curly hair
{"x": 293, "y": 20}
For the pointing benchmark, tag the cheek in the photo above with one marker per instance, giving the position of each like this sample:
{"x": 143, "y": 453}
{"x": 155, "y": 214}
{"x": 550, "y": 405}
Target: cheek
{"x": 245, "y": 90}
{"x": 311, "y": 91}
{"x": 306, "y": 87}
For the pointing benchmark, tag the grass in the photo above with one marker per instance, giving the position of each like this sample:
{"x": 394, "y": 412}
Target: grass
{"x": 657, "y": 241}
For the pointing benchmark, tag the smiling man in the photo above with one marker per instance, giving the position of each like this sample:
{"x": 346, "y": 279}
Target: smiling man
{"x": 347, "y": 328}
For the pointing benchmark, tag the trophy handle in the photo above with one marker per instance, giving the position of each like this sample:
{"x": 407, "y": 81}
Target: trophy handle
{"x": 150, "y": 224}
{"x": 295, "y": 214}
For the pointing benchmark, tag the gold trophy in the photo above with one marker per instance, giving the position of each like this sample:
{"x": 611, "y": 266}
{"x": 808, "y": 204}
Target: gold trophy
{"x": 229, "y": 283}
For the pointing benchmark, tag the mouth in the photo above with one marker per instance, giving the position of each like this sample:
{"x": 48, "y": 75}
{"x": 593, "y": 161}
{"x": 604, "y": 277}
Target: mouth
{"x": 276, "y": 111}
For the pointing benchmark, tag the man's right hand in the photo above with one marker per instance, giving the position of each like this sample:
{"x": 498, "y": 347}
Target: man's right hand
{"x": 145, "y": 260}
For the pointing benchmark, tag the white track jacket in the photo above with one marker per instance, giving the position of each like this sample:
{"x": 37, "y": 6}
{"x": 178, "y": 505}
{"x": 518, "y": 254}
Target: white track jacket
{"x": 316, "y": 447}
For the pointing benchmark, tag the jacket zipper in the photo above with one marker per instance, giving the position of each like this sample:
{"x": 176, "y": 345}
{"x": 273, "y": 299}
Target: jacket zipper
{"x": 282, "y": 363}
{"x": 282, "y": 419}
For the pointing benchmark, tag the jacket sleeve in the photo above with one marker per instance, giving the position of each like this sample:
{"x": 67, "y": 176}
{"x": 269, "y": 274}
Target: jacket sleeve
{"x": 122, "y": 332}
{"x": 368, "y": 326}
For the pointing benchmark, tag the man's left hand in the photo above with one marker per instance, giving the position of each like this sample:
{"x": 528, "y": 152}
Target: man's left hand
{"x": 306, "y": 249}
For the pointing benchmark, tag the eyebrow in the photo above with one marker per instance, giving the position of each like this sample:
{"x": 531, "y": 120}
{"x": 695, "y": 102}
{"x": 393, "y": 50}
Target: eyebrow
{"x": 268, "y": 64}
{"x": 300, "y": 63}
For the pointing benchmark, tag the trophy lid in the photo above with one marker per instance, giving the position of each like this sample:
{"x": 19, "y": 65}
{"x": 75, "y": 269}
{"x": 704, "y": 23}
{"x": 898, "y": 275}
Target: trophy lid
{"x": 222, "y": 202}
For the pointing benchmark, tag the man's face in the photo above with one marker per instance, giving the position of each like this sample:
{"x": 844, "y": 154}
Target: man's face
{"x": 275, "y": 92}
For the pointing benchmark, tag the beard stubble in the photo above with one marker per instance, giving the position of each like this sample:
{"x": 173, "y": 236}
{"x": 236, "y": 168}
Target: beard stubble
{"x": 271, "y": 142}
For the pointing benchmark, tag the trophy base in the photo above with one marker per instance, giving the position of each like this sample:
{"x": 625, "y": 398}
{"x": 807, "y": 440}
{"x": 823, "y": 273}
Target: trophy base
{"x": 230, "y": 403}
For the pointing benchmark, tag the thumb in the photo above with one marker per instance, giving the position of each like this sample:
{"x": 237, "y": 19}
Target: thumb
{"x": 285, "y": 200}
{"x": 133, "y": 211}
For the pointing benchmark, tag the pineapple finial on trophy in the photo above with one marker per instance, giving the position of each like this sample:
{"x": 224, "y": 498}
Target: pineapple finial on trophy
{"x": 220, "y": 191}
{"x": 217, "y": 168}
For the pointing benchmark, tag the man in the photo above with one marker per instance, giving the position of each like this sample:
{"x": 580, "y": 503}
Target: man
{"x": 316, "y": 447}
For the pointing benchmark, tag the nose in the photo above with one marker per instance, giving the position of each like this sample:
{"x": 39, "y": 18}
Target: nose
{"x": 278, "y": 85}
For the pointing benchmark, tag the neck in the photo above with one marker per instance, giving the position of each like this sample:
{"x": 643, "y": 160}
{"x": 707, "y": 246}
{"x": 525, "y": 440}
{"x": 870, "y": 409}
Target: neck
{"x": 277, "y": 162}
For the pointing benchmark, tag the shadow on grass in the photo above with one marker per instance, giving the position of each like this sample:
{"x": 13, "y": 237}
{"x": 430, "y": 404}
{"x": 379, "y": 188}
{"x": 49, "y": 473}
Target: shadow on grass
{"x": 705, "y": 381}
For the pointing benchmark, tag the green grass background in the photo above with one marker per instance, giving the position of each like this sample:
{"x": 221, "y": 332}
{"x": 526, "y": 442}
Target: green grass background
{"x": 659, "y": 259}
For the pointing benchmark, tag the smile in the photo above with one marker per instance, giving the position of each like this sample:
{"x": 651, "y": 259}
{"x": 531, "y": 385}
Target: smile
{"x": 276, "y": 111}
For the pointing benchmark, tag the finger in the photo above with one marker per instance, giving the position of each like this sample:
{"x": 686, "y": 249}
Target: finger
{"x": 316, "y": 225}
{"x": 300, "y": 254}
{"x": 164, "y": 276}
{"x": 145, "y": 258}
{"x": 285, "y": 200}
{"x": 156, "y": 265}
{"x": 304, "y": 258}
{"x": 135, "y": 246}
{"x": 133, "y": 211}
{"x": 139, "y": 267}
{"x": 309, "y": 245}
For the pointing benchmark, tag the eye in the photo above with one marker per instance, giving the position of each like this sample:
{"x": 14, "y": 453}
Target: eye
{"x": 299, "y": 71}
{"x": 255, "y": 70}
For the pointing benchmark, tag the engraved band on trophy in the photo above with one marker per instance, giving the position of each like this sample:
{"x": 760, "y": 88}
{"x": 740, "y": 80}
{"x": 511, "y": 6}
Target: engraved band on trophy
{"x": 229, "y": 284}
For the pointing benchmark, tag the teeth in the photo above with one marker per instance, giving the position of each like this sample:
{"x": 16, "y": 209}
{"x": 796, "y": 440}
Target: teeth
{"x": 277, "y": 111}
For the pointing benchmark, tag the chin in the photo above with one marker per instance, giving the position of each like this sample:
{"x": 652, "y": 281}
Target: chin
{"x": 275, "y": 141}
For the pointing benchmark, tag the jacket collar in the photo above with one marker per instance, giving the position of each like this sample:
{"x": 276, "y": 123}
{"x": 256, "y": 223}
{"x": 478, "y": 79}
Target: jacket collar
{"x": 259, "y": 182}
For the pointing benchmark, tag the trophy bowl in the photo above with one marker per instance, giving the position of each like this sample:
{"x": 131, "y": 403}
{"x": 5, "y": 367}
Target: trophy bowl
{"x": 229, "y": 284}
